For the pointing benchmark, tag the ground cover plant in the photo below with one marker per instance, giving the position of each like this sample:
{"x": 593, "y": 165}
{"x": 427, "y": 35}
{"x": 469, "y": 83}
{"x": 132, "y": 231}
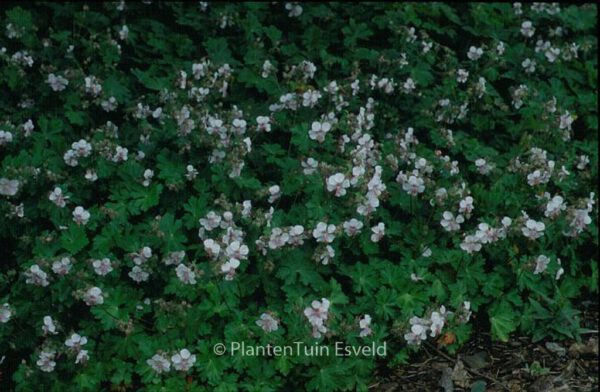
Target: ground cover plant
{"x": 174, "y": 176}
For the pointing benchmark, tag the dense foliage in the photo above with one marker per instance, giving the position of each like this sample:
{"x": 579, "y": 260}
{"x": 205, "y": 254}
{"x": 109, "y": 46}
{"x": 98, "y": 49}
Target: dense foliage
{"x": 177, "y": 175}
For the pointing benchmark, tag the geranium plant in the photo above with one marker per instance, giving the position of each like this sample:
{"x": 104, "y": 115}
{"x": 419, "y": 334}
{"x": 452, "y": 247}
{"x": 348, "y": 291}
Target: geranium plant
{"x": 176, "y": 176}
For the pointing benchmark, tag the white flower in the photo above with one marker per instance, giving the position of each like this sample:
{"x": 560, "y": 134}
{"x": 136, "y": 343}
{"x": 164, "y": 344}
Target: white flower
{"x": 49, "y": 327}
{"x": 325, "y": 256}
{"x": 560, "y": 270}
{"x": 92, "y": 86}
{"x": 338, "y": 183}
{"x": 57, "y": 197}
{"x": 474, "y": 53}
{"x": 552, "y": 54}
{"x": 555, "y": 206}
{"x": 237, "y": 250}
{"x": 278, "y": 238}
{"x": 267, "y": 69}
{"x": 212, "y": 248}
{"x": 146, "y": 252}
{"x": 274, "y": 193}
{"x": 263, "y": 123}
{"x": 294, "y": 9}
{"x": 70, "y": 158}
{"x": 527, "y": 29}
{"x": 36, "y": 276}
{"x": 229, "y": 268}
{"x": 418, "y": 331}
{"x": 529, "y": 65}
{"x": 541, "y": 263}
{"x": 46, "y": 361}
{"x": 82, "y": 357}
{"x": 465, "y": 313}
{"x": 310, "y": 98}
{"x": 5, "y": 313}
{"x": 324, "y": 232}
{"x": 17, "y": 210}
{"x": 267, "y": 323}
{"x": 120, "y": 155}
{"x": 142, "y": 255}
{"x": 533, "y": 229}
{"x": 57, "y": 83}
{"x": 159, "y": 363}
{"x": 566, "y": 120}
{"x": 238, "y": 126}
{"x": 318, "y": 130}
{"x": 317, "y": 313}
{"x": 174, "y": 258}
{"x": 82, "y": 148}
{"x": 500, "y": 48}
{"x": 296, "y": 235}
{"x": 365, "y": 326}
{"x": 310, "y": 166}
{"x": 378, "y": 232}
{"x": 414, "y": 185}
{"x": 471, "y": 244}
{"x": 415, "y": 278}
{"x": 308, "y": 69}
{"x": 246, "y": 208}
{"x": 462, "y": 75}
{"x": 518, "y": 8}
{"x": 102, "y": 267}
{"x": 138, "y": 274}
{"x": 75, "y": 341}
{"x": 482, "y": 166}
{"x": 538, "y": 177}
{"x": 212, "y": 221}
{"x": 183, "y": 360}
{"x": 8, "y": 187}
{"x": 583, "y": 161}
{"x": 451, "y": 223}
{"x": 580, "y": 219}
{"x": 62, "y": 266}
{"x": 5, "y": 137}
{"x": 466, "y": 206}
{"x": 110, "y": 104}
{"x": 28, "y": 128}
{"x": 185, "y": 274}
{"x": 93, "y": 296}
{"x": 352, "y": 227}
{"x": 124, "y": 32}
{"x": 518, "y": 95}
{"x": 191, "y": 172}
{"x": 409, "y": 85}
{"x": 438, "y": 320}
{"x": 481, "y": 87}
{"x": 91, "y": 175}
{"x": 486, "y": 234}
{"x": 22, "y": 58}
{"x": 80, "y": 215}
{"x": 148, "y": 174}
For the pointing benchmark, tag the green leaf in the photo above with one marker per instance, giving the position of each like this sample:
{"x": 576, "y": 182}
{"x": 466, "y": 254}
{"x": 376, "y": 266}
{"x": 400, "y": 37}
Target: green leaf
{"x": 503, "y": 322}
{"x": 74, "y": 239}
{"x": 218, "y": 51}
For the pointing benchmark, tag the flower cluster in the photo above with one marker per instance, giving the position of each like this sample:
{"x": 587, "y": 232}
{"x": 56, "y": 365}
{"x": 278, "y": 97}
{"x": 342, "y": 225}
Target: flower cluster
{"x": 181, "y": 361}
{"x": 317, "y": 314}
{"x": 420, "y": 328}
{"x": 383, "y": 176}
{"x": 229, "y": 249}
